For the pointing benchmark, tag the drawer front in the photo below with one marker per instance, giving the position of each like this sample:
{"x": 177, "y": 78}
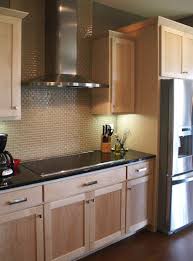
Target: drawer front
{"x": 76, "y": 185}
{"x": 139, "y": 169}
{"x": 20, "y": 199}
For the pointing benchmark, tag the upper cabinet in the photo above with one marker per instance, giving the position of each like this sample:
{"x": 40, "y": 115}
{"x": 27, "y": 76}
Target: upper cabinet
{"x": 113, "y": 64}
{"x": 176, "y": 53}
{"x": 10, "y": 63}
{"x": 163, "y": 48}
{"x": 171, "y": 52}
{"x": 187, "y": 55}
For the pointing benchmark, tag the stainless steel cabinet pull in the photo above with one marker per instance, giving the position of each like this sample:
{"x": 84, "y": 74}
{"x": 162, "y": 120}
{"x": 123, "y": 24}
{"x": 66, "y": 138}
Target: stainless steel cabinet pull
{"x": 14, "y": 108}
{"x": 141, "y": 170}
{"x": 184, "y": 72}
{"x": 90, "y": 183}
{"x": 17, "y": 201}
{"x": 93, "y": 200}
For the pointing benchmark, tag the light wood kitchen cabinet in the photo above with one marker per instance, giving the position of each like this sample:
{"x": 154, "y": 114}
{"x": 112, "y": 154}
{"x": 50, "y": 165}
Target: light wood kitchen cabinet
{"x": 10, "y": 63}
{"x": 107, "y": 222}
{"x": 139, "y": 195}
{"x": 171, "y": 52}
{"x": 67, "y": 228}
{"x": 75, "y": 216}
{"x": 137, "y": 204}
{"x": 113, "y": 63}
{"x": 77, "y": 224}
{"x": 22, "y": 235}
{"x": 176, "y": 53}
{"x": 20, "y": 199}
{"x": 187, "y": 55}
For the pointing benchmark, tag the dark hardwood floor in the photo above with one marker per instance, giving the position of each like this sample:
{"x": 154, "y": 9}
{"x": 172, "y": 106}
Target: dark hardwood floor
{"x": 147, "y": 246}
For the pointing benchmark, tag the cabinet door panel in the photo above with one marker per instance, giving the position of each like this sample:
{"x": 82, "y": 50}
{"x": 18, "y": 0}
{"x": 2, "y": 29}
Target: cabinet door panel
{"x": 66, "y": 228}
{"x": 109, "y": 217}
{"x": 137, "y": 204}
{"x": 110, "y": 202}
{"x": 66, "y": 242}
{"x": 171, "y": 52}
{"x": 10, "y": 67}
{"x": 5, "y": 65}
{"x": 122, "y": 76}
{"x": 187, "y": 69}
{"x": 22, "y": 236}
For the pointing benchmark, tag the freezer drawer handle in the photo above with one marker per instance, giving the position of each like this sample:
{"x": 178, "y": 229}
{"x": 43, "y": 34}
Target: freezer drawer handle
{"x": 176, "y": 181}
{"x": 17, "y": 201}
{"x": 90, "y": 183}
{"x": 141, "y": 170}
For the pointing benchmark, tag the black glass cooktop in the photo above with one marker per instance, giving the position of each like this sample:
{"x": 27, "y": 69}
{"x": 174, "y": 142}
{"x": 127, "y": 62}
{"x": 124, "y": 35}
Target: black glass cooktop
{"x": 60, "y": 165}
{"x": 81, "y": 162}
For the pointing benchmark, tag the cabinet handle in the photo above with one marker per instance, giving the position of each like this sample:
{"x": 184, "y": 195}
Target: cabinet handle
{"x": 92, "y": 200}
{"x": 39, "y": 215}
{"x": 141, "y": 170}
{"x": 90, "y": 183}
{"x": 184, "y": 72}
{"x": 17, "y": 201}
{"x": 15, "y": 108}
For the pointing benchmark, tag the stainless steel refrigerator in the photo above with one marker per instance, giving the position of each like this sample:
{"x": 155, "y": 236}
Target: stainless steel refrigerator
{"x": 175, "y": 197}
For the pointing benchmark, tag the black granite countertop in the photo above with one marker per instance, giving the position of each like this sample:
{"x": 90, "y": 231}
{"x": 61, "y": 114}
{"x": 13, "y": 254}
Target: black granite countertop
{"x": 55, "y": 168}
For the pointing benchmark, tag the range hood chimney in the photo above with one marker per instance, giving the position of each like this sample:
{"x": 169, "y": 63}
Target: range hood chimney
{"x": 68, "y": 28}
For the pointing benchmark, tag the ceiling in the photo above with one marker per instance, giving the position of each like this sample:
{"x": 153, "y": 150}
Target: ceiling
{"x": 148, "y": 8}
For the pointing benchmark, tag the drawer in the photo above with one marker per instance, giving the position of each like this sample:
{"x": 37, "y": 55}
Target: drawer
{"x": 86, "y": 183}
{"x": 139, "y": 169}
{"x": 20, "y": 199}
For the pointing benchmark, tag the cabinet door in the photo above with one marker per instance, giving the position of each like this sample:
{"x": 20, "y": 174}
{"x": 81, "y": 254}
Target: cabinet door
{"x": 187, "y": 58}
{"x": 10, "y": 67}
{"x": 171, "y": 52}
{"x": 122, "y": 75}
{"x": 21, "y": 235}
{"x": 137, "y": 206}
{"x": 107, "y": 215}
{"x": 67, "y": 228}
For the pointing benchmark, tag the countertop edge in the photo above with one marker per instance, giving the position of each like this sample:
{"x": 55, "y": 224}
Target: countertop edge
{"x": 76, "y": 172}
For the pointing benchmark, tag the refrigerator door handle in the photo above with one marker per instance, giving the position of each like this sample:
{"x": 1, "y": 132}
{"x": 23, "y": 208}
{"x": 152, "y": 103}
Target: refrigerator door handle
{"x": 180, "y": 180}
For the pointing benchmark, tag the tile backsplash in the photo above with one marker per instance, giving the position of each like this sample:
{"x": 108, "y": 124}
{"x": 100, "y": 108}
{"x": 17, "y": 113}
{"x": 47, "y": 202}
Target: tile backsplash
{"x": 54, "y": 122}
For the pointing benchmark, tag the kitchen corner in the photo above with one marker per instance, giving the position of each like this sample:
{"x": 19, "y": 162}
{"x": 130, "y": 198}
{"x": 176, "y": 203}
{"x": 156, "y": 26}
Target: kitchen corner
{"x": 96, "y": 138}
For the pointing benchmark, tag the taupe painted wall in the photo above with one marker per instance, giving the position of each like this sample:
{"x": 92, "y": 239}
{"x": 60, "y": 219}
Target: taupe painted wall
{"x": 187, "y": 20}
{"x": 106, "y": 18}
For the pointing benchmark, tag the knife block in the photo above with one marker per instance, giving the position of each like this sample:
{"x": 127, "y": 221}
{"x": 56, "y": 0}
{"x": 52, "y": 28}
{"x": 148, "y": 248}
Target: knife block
{"x": 106, "y": 146}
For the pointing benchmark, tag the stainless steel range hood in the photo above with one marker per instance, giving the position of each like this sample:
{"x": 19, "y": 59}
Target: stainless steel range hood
{"x": 65, "y": 32}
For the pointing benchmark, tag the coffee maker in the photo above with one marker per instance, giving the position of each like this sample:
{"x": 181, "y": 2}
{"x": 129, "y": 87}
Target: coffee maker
{"x": 6, "y": 159}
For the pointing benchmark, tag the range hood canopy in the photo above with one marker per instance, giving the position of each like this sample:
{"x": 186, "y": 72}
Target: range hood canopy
{"x": 66, "y": 80}
{"x": 68, "y": 28}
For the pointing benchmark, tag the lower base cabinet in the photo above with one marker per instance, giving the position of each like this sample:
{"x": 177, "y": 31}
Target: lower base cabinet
{"x": 82, "y": 223}
{"x": 137, "y": 206}
{"x": 108, "y": 212}
{"x": 21, "y": 235}
{"x": 67, "y": 228}
{"x": 75, "y": 219}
